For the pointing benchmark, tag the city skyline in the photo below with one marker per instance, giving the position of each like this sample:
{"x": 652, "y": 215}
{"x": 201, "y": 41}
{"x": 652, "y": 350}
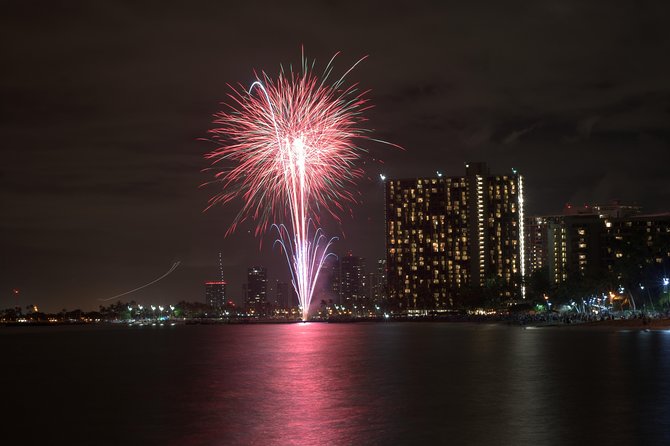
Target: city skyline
{"x": 598, "y": 217}
{"x": 104, "y": 109}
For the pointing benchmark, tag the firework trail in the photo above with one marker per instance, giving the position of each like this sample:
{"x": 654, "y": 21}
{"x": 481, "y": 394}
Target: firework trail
{"x": 174, "y": 266}
{"x": 291, "y": 144}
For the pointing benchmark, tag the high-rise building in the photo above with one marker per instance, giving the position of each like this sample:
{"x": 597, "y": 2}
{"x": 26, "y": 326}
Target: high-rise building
{"x": 352, "y": 285}
{"x": 284, "y": 296}
{"x": 557, "y": 247}
{"x": 444, "y": 233}
{"x": 566, "y": 246}
{"x": 638, "y": 241}
{"x": 256, "y": 289}
{"x": 583, "y": 236}
{"x": 537, "y": 245}
{"x": 332, "y": 279}
{"x": 215, "y": 295}
{"x": 585, "y": 240}
{"x": 376, "y": 283}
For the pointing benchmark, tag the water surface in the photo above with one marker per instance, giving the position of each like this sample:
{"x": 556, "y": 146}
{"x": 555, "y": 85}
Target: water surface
{"x": 335, "y": 384}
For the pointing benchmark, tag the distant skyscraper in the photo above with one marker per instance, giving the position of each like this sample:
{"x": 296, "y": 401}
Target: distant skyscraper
{"x": 376, "y": 284}
{"x": 545, "y": 244}
{"x": 215, "y": 295}
{"x": 577, "y": 244}
{"x": 333, "y": 279}
{"x": 284, "y": 296}
{"x": 583, "y": 237}
{"x": 557, "y": 247}
{"x": 444, "y": 233}
{"x": 256, "y": 289}
{"x": 352, "y": 282}
{"x": 640, "y": 240}
{"x": 572, "y": 244}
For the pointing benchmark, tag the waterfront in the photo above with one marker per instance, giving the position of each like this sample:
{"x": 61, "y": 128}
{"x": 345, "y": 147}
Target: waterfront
{"x": 365, "y": 383}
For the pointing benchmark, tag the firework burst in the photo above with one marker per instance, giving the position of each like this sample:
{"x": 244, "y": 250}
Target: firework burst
{"x": 287, "y": 148}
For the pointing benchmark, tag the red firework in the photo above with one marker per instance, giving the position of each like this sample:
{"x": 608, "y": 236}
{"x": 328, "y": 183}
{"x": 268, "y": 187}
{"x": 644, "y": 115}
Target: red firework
{"x": 259, "y": 134}
{"x": 291, "y": 145}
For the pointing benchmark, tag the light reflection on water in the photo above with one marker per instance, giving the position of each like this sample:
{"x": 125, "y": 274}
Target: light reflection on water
{"x": 397, "y": 383}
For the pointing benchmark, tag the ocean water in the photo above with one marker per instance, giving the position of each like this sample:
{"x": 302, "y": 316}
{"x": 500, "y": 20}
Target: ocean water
{"x": 334, "y": 384}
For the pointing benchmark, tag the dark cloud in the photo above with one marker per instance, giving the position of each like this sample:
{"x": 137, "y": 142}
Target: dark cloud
{"x": 104, "y": 102}
{"x": 514, "y": 137}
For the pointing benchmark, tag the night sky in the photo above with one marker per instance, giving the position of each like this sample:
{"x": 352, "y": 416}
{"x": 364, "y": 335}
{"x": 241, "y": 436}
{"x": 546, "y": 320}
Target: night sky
{"x": 103, "y": 105}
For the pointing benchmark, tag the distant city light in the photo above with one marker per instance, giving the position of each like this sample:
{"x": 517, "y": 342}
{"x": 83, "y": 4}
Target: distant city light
{"x": 439, "y": 174}
{"x": 382, "y": 177}
{"x": 666, "y": 281}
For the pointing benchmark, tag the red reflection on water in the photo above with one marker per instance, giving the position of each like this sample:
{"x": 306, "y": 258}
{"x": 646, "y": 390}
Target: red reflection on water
{"x": 283, "y": 384}
{"x": 309, "y": 390}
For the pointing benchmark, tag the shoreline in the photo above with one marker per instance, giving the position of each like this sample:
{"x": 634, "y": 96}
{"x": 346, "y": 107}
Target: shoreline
{"x": 628, "y": 324}
{"x": 660, "y": 324}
